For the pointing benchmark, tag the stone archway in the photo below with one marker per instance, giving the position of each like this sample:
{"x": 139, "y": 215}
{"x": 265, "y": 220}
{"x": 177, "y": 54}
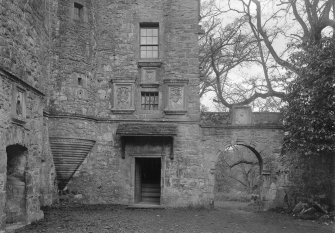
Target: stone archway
{"x": 238, "y": 174}
{"x": 15, "y": 207}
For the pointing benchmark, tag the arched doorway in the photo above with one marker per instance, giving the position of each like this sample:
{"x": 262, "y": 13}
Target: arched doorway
{"x": 16, "y": 183}
{"x": 238, "y": 175}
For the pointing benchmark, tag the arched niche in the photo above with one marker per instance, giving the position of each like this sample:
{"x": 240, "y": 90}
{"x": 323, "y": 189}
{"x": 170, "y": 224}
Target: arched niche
{"x": 15, "y": 208}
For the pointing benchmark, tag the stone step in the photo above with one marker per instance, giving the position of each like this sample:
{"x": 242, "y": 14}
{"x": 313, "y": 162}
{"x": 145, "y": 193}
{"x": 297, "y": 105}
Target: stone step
{"x": 156, "y": 194}
{"x": 154, "y": 200}
{"x": 151, "y": 190}
{"x": 151, "y": 185}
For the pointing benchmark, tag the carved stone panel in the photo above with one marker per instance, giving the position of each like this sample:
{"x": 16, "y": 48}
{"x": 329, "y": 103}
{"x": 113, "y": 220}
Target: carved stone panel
{"x": 19, "y": 105}
{"x": 176, "y": 96}
{"x": 123, "y": 96}
{"x": 241, "y": 115}
{"x": 149, "y": 75}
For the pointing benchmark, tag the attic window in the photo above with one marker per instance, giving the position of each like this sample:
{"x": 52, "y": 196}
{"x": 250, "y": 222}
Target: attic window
{"x": 78, "y": 11}
{"x": 80, "y": 81}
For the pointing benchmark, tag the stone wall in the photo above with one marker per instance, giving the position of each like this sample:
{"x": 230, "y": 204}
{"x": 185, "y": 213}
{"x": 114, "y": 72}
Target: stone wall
{"x": 96, "y": 59}
{"x": 24, "y": 40}
{"x": 262, "y": 133}
{"x": 106, "y": 177}
{"x": 102, "y": 50}
{"x": 25, "y": 128}
{"x": 24, "y": 71}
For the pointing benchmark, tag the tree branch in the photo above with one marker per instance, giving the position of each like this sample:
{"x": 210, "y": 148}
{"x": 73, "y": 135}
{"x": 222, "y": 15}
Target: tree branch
{"x": 268, "y": 43}
{"x": 243, "y": 162}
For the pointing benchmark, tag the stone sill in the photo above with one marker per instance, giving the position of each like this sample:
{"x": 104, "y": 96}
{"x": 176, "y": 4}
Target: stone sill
{"x": 175, "y": 112}
{"x": 149, "y": 63}
{"x": 176, "y": 81}
{"x": 149, "y": 85}
{"x": 123, "y": 111}
{"x": 18, "y": 121}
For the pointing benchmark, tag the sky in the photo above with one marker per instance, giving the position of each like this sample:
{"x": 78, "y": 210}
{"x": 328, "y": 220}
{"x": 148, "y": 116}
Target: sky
{"x": 268, "y": 7}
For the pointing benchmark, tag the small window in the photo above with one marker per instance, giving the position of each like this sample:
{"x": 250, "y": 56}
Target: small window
{"x": 78, "y": 13}
{"x": 80, "y": 81}
{"x": 149, "y": 41}
{"x": 149, "y": 100}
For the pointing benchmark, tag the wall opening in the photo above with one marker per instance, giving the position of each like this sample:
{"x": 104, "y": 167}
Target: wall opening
{"x": 78, "y": 11}
{"x": 238, "y": 175}
{"x": 15, "y": 209}
{"x": 147, "y": 180}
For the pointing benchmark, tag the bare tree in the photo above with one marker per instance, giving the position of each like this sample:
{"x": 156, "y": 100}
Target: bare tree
{"x": 238, "y": 165}
{"x": 256, "y": 45}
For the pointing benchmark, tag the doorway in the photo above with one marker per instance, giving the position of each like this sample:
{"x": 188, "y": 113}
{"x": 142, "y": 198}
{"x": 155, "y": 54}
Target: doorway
{"x": 148, "y": 180}
{"x": 16, "y": 184}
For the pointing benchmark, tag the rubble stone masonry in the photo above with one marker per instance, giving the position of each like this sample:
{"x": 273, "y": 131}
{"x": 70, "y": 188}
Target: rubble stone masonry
{"x": 71, "y": 74}
{"x": 24, "y": 56}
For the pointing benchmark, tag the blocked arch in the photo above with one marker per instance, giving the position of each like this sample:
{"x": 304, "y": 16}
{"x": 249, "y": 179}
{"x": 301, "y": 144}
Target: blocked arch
{"x": 18, "y": 136}
{"x": 16, "y": 184}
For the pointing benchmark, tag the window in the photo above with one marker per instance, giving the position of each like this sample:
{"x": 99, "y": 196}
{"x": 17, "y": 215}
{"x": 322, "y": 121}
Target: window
{"x": 149, "y": 41}
{"x": 78, "y": 11}
{"x": 149, "y": 100}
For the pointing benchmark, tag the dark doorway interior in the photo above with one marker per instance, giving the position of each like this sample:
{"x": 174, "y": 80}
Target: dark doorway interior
{"x": 148, "y": 180}
{"x": 16, "y": 186}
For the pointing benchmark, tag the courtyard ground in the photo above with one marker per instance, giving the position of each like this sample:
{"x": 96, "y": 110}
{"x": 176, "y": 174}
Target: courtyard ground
{"x": 224, "y": 219}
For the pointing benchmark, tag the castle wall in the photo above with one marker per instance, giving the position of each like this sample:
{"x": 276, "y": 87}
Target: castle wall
{"x": 262, "y": 133}
{"x": 28, "y": 131}
{"x": 24, "y": 60}
{"x": 106, "y": 177}
{"x": 102, "y": 49}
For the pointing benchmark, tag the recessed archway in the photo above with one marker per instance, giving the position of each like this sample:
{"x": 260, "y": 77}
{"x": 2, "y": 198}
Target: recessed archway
{"x": 15, "y": 209}
{"x": 238, "y": 175}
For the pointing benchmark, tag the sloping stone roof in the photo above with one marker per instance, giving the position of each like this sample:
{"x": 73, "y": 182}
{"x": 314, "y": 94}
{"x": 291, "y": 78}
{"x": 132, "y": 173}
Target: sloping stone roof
{"x": 131, "y": 129}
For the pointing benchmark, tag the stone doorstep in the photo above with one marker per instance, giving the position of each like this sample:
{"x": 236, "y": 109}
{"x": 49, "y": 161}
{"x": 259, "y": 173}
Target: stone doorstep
{"x": 145, "y": 206}
{"x": 11, "y": 228}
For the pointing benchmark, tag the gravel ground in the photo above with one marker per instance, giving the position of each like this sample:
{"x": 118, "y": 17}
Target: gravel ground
{"x": 119, "y": 219}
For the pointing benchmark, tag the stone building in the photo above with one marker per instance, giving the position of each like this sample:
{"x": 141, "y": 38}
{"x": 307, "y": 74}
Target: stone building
{"x": 101, "y": 98}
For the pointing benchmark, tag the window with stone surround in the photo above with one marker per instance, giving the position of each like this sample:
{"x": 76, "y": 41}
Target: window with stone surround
{"x": 149, "y": 40}
{"x": 149, "y": 100}
{"x": 78, "y": 11}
